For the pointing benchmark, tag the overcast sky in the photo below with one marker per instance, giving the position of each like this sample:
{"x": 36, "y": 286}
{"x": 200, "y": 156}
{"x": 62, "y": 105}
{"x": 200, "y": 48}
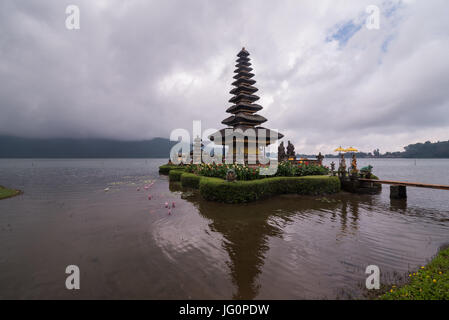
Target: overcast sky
{"x": 139, "y": 69}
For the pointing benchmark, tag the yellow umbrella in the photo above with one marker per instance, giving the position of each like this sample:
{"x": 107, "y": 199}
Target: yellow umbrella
{"x": 340, "y": 149}
{"x": 351, "y": 149}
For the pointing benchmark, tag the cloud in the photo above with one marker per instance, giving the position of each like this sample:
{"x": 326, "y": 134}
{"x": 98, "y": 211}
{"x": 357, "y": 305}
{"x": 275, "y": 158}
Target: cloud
{"x": 345, "y": 31}
{"x": 140, "y": 69}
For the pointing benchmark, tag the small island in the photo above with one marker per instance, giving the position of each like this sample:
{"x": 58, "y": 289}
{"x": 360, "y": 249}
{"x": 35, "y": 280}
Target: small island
{"x": 241, "y": 177}
{"x": 8, "y": 193}
{"x": 245, "y": 180}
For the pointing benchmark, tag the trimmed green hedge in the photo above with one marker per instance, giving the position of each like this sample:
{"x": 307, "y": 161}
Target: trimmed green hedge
{"x": 245, "y": 191}
{"x": 175, "y": 175}
{"x": 165, "y": 169}
{"x": 216, "y": 189}
{"x": 190, "y": 180}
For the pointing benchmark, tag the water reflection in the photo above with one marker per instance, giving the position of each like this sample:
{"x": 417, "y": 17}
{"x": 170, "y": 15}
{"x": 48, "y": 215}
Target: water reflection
{"x": 245, "y": 240}
{"x": 398, "y": 205}
{"x": 247, "y": 229}
{"x": 318, "y": 238}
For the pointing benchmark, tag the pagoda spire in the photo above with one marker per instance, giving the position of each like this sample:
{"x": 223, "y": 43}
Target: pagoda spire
{"x": 244, "y": 135}
{"x": 243, "y": 109}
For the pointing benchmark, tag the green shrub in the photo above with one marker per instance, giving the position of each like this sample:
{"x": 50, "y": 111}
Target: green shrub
{"x": 175, "y": 175}
{"x": 165, "y": 169}
{"x": 190, "y": 180}
{"x": 243, "y": 172}
{"x": 288, "y": 169}
{"x": 245, "y": 191}
{"x": 311, "y": 170}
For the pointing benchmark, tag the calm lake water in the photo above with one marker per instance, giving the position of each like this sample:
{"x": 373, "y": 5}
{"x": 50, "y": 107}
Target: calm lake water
{"x": 126, "y": 246}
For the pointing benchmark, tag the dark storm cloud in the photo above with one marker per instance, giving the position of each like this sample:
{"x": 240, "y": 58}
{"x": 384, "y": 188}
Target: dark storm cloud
{"x": 138, "y": 69}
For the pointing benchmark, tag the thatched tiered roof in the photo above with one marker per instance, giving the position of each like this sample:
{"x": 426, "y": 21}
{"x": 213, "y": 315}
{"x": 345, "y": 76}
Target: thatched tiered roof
{"x": 243, "y": 109}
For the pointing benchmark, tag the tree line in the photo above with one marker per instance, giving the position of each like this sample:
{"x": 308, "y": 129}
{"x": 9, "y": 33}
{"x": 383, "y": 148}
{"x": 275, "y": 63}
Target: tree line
{"x": 427, "y": 149}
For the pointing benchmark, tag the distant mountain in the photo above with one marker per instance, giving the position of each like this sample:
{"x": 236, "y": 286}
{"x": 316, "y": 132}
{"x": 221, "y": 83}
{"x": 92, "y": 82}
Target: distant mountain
{"x": 15, "y": 147}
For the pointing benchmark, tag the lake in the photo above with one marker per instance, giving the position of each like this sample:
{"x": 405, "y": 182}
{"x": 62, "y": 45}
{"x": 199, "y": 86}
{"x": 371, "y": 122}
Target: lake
{"x": 286, "y": 247}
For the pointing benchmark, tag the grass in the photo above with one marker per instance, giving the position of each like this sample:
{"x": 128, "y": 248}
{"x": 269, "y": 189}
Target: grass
{"x": 430, "y": 282}
{"x": 8, "y": 193}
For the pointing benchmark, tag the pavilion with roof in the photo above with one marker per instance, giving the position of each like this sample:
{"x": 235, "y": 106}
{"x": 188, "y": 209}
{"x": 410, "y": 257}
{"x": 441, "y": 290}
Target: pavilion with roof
{"x": 244, "y": 116}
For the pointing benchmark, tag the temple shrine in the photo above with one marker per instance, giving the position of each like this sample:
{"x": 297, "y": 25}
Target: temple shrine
{"x": 244, "y": 130}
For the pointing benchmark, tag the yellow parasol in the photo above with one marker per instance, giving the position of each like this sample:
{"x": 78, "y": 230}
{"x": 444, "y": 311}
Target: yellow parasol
{"x": 351, "y": 149}
{"x": 340, "y": 149}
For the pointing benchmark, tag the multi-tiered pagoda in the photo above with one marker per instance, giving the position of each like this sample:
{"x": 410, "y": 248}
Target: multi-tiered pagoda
{"x": 243, "y": 114}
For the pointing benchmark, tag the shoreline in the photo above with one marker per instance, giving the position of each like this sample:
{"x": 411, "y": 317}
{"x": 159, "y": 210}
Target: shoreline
{"x": 429, "y": 282}
{"x": 6, "y": 193}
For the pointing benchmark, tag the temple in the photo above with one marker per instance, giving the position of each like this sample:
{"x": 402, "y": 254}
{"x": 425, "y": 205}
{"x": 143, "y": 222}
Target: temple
{"x": 243, "y": 117}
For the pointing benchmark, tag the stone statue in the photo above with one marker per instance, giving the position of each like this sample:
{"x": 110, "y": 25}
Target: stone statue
{"x": 342, "y": 166}
{"x": 320, "y": 158}
{"x": 354, "y": 163}
{"x": 291, "y": 150}
{"x": 230, "y": 175}
{"x": 366, "y": 171}
{"x": 354, "y": 171}
{"x": 333, "y": 168}
{"x": 281, "y": 152}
